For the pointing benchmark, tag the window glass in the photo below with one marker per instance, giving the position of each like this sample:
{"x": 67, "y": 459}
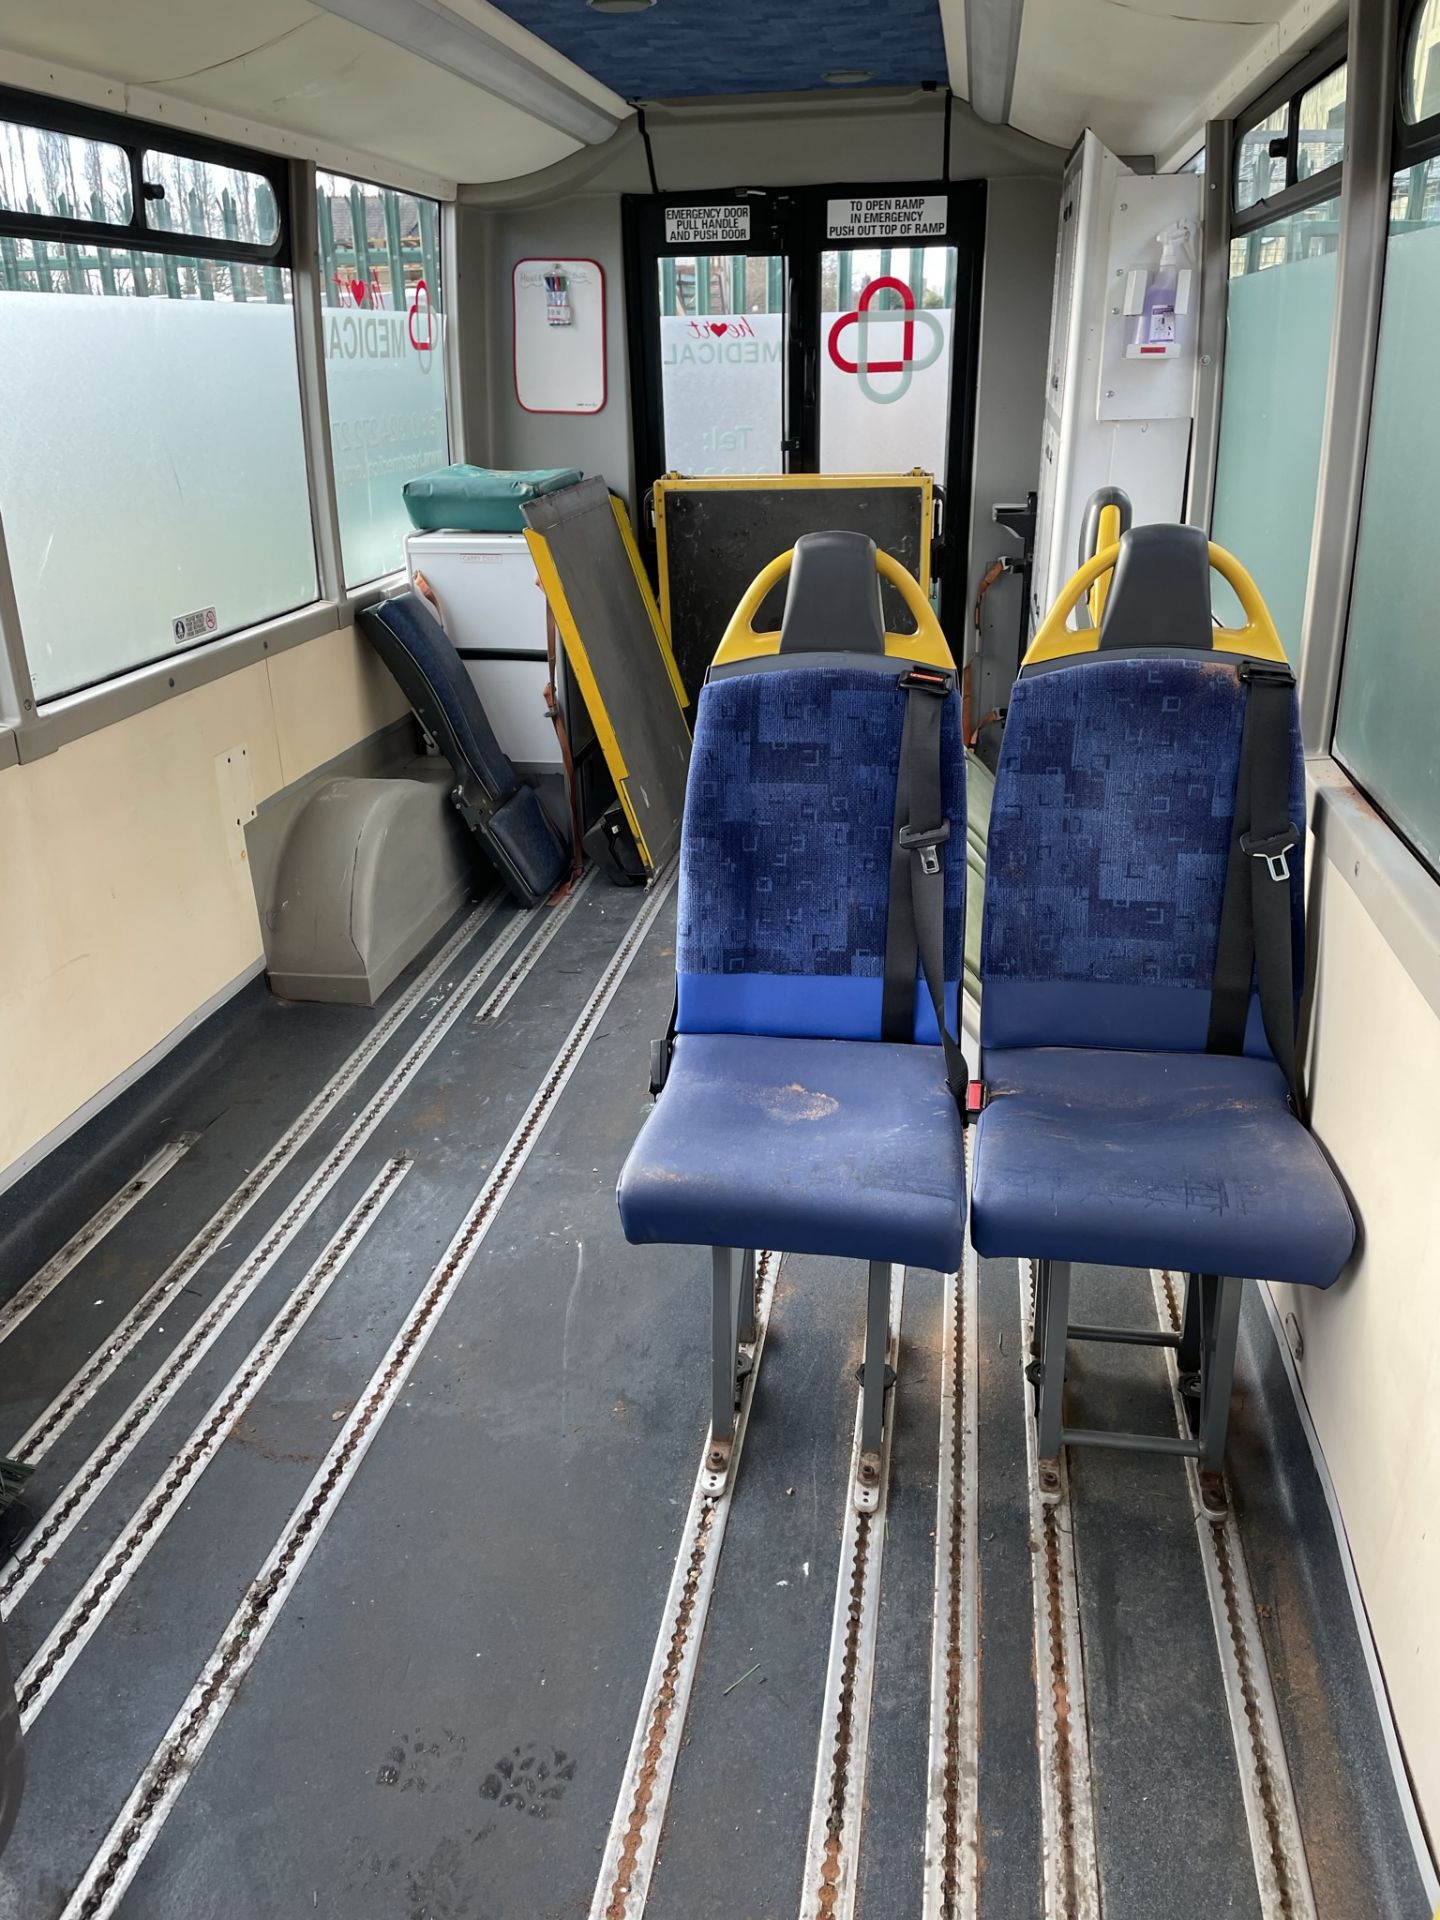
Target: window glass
{"x": 722, "y": 361}
{"x": 1386, "y": 730}
{"x": 1260, "y": 159}
{"x": 384, "y": 362}
{"x": 61, "y": 174}
{"x": 205, "y": 198}
{"x": 1322, "y": 125}
{"x": 152, "y": 468}
{"x": 887, "y": 326}
{"x": 1195, "y": 164}
{"x": 1421, "y": 91}
{"x": 1277, "y": 360}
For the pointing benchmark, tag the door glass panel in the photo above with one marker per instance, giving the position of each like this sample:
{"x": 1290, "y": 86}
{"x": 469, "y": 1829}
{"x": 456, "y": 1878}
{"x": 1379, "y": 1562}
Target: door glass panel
{"x": 722, "y": 362}
{"x": 885, "y": 331}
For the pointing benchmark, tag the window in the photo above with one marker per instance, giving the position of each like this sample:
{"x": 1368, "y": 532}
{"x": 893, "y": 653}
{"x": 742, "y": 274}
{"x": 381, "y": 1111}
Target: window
{"x": 1321, "y": 138}
{"x": 63, "y": 176}
{"x": 1297, "y": 140}
{"x": 1285, "y": 232}
{"x": 383, "y": 316}
{"x": 722, "y": 361}
{"x": 152, "y": 471}
{"x": 1386, "y": 731}
{"x": 188, "y": 195}
{"x": 1277, "y": 360}
{"x": 1420, "y": 81}
{"x": 1260, "y": 158}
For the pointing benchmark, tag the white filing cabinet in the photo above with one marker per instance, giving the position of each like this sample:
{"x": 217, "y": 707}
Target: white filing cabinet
{"x": 494, "y": 611}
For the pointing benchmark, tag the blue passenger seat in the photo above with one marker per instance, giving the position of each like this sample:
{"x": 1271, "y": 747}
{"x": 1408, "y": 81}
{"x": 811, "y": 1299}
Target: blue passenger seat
{"x": 1141, "y": 1103}
{"x": 808, "y": 1104}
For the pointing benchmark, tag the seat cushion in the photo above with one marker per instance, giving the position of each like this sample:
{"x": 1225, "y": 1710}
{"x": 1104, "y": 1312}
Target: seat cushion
{"x": 847, "y": 1147}
{"x": 1192, "y": 1161}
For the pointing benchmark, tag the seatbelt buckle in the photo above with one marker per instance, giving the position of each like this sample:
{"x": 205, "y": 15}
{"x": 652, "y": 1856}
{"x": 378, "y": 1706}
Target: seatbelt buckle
{"x": 1273, "y": 849}
{"x": 928, "y": 680}
{"x": 975, "y": 1098}
{"x": 927, "y": 842}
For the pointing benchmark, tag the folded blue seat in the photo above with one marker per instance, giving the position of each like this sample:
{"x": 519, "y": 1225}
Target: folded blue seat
{"x": 1142, "y": 961}
{"x": 812, "y": 1098}
{"x": 505, "y": 815}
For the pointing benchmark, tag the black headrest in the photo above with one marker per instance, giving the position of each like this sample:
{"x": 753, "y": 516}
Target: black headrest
{"x": 832, "y": 604}
{"x": 1160, "y": 593}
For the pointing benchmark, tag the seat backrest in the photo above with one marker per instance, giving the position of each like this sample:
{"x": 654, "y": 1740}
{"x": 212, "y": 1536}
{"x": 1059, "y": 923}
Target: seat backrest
{"x": 785, "y": 851}
{"x": 432, "y": 676}
{"x": 1109, "y": 839}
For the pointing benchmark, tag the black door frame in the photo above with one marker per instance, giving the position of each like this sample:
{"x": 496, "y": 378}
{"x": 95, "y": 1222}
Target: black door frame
{"x": 792, "y": 222}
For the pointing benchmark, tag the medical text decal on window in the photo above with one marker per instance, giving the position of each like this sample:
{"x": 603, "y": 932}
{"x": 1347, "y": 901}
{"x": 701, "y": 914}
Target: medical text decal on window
{"x": 384, "y": 366}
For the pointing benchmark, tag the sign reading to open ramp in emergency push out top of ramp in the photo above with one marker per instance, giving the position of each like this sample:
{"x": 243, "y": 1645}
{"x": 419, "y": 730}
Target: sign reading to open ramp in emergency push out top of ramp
{"x": 590, "y": 568}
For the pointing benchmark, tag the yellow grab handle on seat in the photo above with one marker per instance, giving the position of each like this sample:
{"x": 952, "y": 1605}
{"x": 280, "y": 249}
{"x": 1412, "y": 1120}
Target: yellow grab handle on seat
{"x": 1107, "y": 534}
{"x": 926, "y": 645}
{"x": 1057, "y": 641}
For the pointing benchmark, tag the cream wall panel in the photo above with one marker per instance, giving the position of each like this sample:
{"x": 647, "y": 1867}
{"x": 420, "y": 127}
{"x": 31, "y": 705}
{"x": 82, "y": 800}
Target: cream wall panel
{"x": 126, "y": 889}
{"x": 329, "y": 694}
{"x": 119, "y": 883}
{"x": 1371, "y": 1359}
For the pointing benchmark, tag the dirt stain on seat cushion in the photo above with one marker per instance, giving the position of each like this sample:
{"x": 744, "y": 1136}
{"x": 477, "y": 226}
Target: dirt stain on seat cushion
{"x": 797, "y": 1103}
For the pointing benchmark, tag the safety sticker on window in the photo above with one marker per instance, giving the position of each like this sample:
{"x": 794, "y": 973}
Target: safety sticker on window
{"x": 193, "y": 626}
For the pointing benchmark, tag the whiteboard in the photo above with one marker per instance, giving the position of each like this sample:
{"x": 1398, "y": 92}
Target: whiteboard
{"x": 559, "y": 369}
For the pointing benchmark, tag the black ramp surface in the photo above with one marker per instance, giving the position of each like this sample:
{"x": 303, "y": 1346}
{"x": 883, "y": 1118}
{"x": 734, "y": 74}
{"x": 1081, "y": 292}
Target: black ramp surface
{"x": 718, "y": 538}
{"x": 622, "y": 648}
{"x": 494, "y": 1574}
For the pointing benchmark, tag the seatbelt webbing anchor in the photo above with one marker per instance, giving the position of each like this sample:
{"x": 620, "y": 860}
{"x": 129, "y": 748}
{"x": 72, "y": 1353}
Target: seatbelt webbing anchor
{"x": 1273, "y": 849}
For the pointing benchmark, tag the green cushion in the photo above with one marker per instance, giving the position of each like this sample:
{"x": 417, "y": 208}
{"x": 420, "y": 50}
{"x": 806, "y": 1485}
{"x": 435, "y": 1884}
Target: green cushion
{"x": 480, "y": 499}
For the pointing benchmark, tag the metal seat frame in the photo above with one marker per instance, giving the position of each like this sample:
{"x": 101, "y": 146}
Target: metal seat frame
{"x": 1204, "y": 1349}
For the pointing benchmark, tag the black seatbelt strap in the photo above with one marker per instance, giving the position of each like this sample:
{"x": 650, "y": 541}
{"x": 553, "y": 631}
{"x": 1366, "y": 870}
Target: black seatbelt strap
{"x": 915, "y": 927}
{"x": 1256, "y": 935}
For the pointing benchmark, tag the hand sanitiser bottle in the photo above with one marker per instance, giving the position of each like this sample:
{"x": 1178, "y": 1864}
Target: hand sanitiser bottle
{"x": 1154, "y": 330}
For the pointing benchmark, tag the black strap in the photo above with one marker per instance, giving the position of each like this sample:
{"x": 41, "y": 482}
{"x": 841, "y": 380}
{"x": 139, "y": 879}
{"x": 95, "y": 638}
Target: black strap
{"x": 915, "y": 927}
{"x": 1255, "y": 945}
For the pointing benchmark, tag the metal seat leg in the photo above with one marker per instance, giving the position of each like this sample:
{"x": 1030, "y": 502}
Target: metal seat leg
{"x": 1219, "y": 1335}
{"x": 1052, "y": 1295}
{"x": 727, "y": 1282}
{"x": 876, "y": 1376}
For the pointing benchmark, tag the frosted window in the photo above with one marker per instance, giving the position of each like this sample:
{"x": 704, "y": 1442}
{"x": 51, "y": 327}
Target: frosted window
{"x": 885, "y": 349}
{"x": 722, "y": 362}
{"x": 1386, "y": 731}
{"x": 152, "y": 467}
{"x": 1422, "y": 70}
{"x": 1277, "y": 359}
{"x": 384, "y": 360}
